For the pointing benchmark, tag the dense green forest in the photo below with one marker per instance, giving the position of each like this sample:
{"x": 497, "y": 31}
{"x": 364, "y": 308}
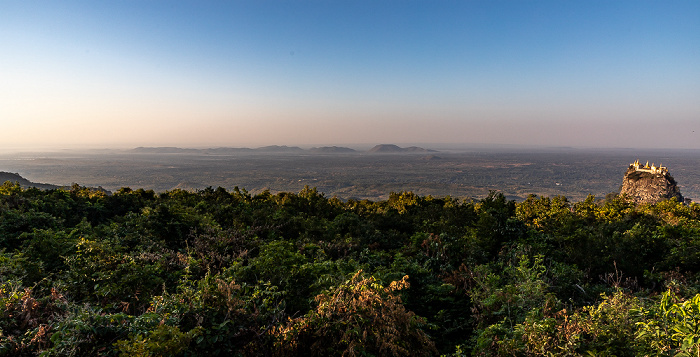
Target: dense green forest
{"x": 224, "y": 273}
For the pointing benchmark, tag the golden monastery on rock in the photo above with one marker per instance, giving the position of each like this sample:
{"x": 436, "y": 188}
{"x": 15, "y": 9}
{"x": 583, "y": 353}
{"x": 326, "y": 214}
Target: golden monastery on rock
{"x": 651, "y": 169}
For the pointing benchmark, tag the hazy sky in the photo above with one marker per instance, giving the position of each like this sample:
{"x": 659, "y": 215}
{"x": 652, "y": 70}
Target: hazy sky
{"x": 252, "y": 73}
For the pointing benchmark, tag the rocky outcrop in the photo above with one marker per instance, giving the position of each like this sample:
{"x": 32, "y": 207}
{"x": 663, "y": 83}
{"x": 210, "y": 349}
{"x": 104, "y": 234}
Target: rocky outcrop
{"x": 648, "y": 187}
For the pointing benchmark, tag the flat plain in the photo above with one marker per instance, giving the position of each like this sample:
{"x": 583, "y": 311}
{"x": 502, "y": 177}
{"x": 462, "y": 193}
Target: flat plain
{"x": 464, "y": 173}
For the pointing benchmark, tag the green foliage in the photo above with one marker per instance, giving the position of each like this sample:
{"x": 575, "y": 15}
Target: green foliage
{"x": 17, "y": 267}
{"x": 671, "y": 326}
{"x": 503, "y": 301}
{"x": 163, "y": 341}
{"x": 218, "y": 272}
{"x": 607, "y": 328}
{"x": 100, "y": 272}
{"x": 87, "y": 331}
{"x": 359, "y": 317}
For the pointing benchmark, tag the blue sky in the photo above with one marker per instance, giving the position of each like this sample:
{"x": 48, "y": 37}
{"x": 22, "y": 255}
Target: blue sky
{"x": 252, "y": 73}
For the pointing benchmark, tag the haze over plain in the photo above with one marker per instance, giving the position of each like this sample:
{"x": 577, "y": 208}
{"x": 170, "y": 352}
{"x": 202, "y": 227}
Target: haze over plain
{"x": 86, "y": 74}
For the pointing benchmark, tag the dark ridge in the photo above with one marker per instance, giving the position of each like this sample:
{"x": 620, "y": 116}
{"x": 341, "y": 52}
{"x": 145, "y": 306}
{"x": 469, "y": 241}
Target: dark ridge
{"x": 417, "y": 149}
{"x": 332, "y": 150}
{"x": 13, "y": 177}
{"x": 279, "y": 149}
{"x": 392, "y": 149}
{"x": 223, "y": 150}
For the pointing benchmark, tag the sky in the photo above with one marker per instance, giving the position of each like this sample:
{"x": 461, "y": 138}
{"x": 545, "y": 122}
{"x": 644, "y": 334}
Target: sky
{"x": 119, "y": 74}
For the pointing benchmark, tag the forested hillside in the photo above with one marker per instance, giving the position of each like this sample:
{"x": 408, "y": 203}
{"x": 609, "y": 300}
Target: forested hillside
{"x": 224, "y": 273}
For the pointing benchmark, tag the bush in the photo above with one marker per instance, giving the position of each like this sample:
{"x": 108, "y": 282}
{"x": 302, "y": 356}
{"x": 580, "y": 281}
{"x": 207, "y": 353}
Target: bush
{"x": 359, "y": 317}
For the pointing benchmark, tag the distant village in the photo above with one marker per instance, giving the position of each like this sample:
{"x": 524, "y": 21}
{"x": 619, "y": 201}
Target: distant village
{"x": 651, "y": 169}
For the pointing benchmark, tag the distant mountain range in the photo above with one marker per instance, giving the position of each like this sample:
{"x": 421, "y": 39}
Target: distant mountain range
{"x": 332, "y": 150}
{"x": 394, "y": 149}
{"x": 276, "y": 149}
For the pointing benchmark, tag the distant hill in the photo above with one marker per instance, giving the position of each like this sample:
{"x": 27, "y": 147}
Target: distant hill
{"x": 280, "y": 149}
{"x": 332, "y": 150}
{"x": 395, "y": 149}
{"x": 226, "y": 151}
{"x": 12, "y": 177}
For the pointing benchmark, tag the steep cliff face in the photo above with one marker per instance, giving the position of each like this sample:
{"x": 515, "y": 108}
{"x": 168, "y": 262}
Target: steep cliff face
{"x": 646, "y": 187}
